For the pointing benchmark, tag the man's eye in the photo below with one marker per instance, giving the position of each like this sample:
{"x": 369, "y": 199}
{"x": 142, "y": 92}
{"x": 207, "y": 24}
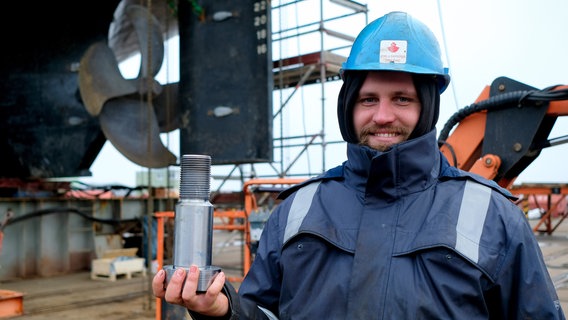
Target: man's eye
{"x": 403, "y": 100}
{"x": 368, "y": 100}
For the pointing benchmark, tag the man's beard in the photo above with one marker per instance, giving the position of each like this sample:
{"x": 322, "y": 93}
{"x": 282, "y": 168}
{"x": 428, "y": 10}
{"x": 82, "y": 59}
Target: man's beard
{"x": 368, "y": 131}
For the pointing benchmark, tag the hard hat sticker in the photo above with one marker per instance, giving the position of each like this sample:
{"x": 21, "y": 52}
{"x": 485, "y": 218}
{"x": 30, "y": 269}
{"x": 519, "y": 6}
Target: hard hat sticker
{"x": 393, "y": 51}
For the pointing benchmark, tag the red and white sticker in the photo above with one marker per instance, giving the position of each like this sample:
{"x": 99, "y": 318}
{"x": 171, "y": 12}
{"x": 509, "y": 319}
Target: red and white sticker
{"x": 393, "y": 51}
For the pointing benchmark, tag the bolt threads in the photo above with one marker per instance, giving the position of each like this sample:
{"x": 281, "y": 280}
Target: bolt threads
{"x": 195, "y": 175}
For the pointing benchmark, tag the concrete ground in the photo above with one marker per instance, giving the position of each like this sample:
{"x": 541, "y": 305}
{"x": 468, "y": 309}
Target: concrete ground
{"x": 555, "y": 251}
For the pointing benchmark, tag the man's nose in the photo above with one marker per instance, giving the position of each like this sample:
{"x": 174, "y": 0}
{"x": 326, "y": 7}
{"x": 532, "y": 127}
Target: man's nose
{"x": 383, "y": 113}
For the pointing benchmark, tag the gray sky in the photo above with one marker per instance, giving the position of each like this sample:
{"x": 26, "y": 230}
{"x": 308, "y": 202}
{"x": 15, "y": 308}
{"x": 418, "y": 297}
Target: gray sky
{"x": 520, "y": 39}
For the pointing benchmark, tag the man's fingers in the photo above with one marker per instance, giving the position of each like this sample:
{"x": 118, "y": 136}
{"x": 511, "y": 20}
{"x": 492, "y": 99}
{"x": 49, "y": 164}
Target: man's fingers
{"x": 217, "y": 284}
{"x": 190, "y": 288}
{"x": 159, "y": 283}
{"x": 182, "y": 289}
{"x": 175, "y": 287}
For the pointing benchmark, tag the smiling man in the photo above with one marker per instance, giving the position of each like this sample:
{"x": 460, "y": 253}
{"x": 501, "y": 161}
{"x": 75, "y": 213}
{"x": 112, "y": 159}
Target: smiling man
{"x": 387, "y": 109}
{"x": 395, "y": 232}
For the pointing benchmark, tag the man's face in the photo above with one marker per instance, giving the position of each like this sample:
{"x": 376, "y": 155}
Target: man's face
{"x": 386, "y": 110}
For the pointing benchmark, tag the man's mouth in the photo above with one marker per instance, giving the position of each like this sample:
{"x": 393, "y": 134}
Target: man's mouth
{"x": 385, "y": 134}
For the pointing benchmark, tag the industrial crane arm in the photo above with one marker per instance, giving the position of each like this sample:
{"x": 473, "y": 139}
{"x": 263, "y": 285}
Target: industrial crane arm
{"x": 504, "y": 131}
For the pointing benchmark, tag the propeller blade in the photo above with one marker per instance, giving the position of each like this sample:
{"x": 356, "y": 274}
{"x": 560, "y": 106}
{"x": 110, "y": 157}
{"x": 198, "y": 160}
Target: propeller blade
{"x": 166, "y": 106}
{"x": 133, "y": 130}
{"x": 100, "y": 79}
{"x": 151, "y": 50}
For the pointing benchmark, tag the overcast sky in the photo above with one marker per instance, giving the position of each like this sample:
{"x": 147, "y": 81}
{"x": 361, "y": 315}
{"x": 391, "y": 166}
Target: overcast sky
{"x": 481, "y": 40}
{"x": 487, "y": 39}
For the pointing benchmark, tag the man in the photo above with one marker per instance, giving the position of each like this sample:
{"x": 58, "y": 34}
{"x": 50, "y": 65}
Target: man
{"x": 394, "y": 232}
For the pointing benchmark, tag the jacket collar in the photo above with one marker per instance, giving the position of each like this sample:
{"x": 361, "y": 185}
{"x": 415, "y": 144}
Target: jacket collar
{"x": 407, "y": 167}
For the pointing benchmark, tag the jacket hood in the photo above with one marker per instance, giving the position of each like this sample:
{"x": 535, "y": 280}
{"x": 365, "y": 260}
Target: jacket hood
{"x": 407, "y": 167}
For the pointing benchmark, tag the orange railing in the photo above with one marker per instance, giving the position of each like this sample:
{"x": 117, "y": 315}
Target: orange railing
{"x": 550, "y": 198}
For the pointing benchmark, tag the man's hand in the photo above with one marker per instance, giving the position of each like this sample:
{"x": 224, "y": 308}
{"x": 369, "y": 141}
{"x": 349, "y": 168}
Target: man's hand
{"x": 182, "y": 290}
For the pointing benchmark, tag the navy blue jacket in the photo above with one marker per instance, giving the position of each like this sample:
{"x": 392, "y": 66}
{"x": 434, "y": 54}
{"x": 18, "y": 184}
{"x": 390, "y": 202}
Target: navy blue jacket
{"x": 397, "y": 235}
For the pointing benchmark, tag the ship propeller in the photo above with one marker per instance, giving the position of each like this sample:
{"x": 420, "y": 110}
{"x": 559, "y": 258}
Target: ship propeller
{"x": 132, "y": 112}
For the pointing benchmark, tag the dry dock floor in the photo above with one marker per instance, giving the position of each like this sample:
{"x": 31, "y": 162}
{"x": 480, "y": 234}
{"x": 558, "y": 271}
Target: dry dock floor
{"x": 77, "y": 296}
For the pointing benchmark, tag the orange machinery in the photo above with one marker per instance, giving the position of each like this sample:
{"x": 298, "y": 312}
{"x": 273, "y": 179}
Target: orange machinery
{"x": 503, "y": 132}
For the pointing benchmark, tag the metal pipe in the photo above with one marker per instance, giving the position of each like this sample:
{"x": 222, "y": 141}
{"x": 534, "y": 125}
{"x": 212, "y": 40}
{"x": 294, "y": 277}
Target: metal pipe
{"x": 193, "y": 223}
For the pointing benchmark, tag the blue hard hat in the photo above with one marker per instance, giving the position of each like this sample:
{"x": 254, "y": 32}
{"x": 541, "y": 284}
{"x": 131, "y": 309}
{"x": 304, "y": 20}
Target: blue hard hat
{"x": 398, "y": 42}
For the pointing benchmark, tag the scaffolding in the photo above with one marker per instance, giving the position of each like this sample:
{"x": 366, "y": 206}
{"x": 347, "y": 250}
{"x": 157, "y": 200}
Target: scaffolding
{"x": 310, "y": 41}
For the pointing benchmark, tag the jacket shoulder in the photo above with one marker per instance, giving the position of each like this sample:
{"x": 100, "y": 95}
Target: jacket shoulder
{"x": 331, "y": 174}
{"x": 449, "y": 172}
